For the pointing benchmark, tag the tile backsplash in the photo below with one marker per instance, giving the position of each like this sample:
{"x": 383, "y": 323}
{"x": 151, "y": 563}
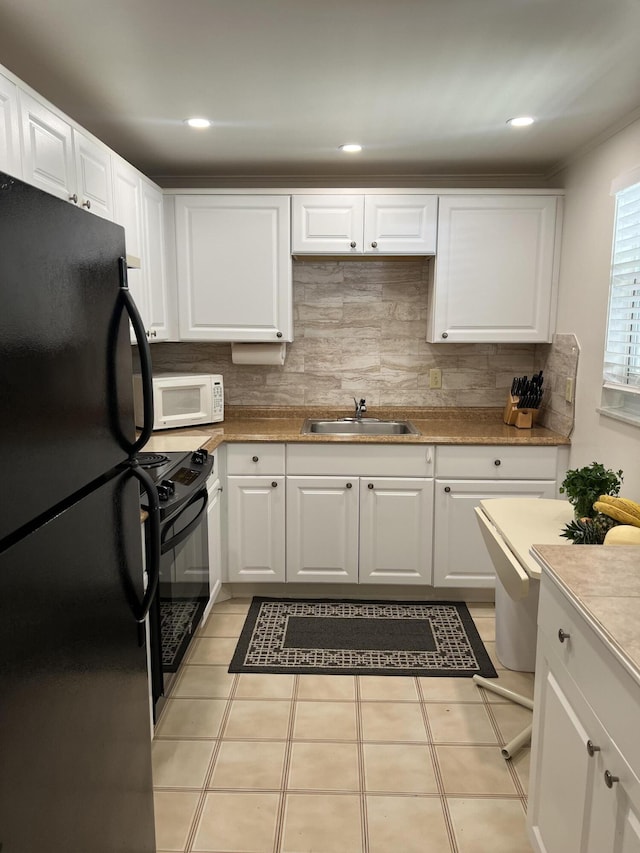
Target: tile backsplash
{"x": 360, "y": 329}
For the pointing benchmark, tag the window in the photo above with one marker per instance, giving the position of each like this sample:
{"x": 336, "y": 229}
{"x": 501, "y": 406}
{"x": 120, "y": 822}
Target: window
{"x": 621, "y": 386}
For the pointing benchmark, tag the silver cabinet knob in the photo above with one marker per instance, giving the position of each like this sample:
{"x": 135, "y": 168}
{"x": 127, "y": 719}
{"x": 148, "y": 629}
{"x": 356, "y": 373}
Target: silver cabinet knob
{"x": 349, "y": 485}
{"x": 609, "y": 779}
{"x": 592, "y": 748}
{"x": 278, "y": 334}
{"x": 154, "y": 333}
{"x": 87, "y": 204}
{"x": 353, "y": 244}
{"x": 447, "y": 489}
{"x": 497, "y": 462}
{"x": 74, "y": 198}
{"x": 274, "y": 484}
{"x": 255, "y": 458}
{"x": 374, "y": 245}
{"x": 445, "y": 334}
{"x": 148, "y": 333}
{"x": 562, "y": 635}
{"x": 370, "y": 486}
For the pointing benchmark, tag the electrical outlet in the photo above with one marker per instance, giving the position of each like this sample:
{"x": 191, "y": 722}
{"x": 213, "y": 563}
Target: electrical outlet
{"x": 568, "y": 390}
{"x": 435, "y": 378}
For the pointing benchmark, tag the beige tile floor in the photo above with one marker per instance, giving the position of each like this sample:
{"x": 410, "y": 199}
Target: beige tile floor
{"x": 335, "y": 764}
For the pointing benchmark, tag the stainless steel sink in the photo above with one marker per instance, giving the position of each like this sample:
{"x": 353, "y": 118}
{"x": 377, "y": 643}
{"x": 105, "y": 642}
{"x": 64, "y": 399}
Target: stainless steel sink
{"x": 355, "y": 426}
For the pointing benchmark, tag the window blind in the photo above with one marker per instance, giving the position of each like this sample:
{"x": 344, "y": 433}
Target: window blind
{"x": 622, "y": 354}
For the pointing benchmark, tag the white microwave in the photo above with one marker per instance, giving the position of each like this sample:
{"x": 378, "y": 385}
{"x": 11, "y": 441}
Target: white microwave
{"x": 182, "y": 399}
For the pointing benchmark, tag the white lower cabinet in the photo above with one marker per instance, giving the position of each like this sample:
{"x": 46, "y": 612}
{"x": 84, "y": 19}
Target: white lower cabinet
{"x": 359, "y": 529}
{"x": 322, "y": 529}
{"x": 256, "y": 525}
{"x": 464, "y": 477}
{"x": 584, "y": 786}
{"x": 214, "y": 541}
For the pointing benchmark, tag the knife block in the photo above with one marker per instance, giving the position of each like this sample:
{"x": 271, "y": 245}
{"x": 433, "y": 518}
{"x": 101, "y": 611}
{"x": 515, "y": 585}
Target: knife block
{"x": 520, "y": 418}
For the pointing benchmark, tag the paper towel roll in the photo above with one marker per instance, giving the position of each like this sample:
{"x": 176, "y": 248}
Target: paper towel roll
{"x": 258, "y": 353}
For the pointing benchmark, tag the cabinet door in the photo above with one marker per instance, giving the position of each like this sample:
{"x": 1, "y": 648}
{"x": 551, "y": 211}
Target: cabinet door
{"x": 47, "y": 149}
{"x": 322, "y": 529}
{"x": 153, "y": 264}
{"x": 234, "y": 268}
{"x": 127, "y": 204}
{"x": 495, "y": 277}
{"x": 460, "y": 557}
{"x": 10, "y": 160}
{"x": 328, "y": 224}
{"x": 214, "y": 532}
{"x": 396, "y": 522}
{"x": 563, "y": 773}
{"x": 255, "y": 531}
{"x": 94, "y": 183}
{"x": 400, "y": 224}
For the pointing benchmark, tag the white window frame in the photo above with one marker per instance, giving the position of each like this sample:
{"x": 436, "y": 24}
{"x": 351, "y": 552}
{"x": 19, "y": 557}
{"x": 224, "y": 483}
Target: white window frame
{"x": 621, "y": 363}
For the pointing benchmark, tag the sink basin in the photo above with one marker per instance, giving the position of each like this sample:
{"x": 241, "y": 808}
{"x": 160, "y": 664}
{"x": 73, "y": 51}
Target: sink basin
{"x": 352, "y": 426}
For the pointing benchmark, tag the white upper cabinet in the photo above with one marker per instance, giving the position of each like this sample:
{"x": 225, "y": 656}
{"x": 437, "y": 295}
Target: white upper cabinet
{"x": 364, "y": 224}
{"x": 47, "y": 148}
{"x": 10, "y": 160}
{"x": 153, "y": 263}
{"x": 64, "y": 161}
{"x": 233, "y": 268}
{"x": 93, "y": 175}
{"x": 495, "y": 269}
{"x": 127, "y": 204}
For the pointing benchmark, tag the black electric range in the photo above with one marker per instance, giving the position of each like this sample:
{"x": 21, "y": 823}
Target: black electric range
{"x": 177, "y": 476}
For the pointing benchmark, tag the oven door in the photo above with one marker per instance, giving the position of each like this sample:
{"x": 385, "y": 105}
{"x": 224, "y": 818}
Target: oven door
{"x": 183, "y": 588}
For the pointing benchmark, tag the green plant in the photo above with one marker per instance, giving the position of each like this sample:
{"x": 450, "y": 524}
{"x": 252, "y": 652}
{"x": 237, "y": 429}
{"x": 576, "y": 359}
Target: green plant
{"x": 583, "y": 487}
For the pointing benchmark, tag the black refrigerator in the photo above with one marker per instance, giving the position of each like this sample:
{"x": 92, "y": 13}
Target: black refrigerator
{"x": 75, "y": 731}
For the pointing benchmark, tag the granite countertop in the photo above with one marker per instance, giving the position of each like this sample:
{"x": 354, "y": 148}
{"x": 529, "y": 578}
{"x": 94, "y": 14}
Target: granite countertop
{"x": 436, "y": 426}
{"x": 604, "y": 584}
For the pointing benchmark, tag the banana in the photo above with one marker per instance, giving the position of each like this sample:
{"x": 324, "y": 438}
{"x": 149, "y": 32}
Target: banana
{"x": 624, "y": 504}
{"x": 617, "y": 512}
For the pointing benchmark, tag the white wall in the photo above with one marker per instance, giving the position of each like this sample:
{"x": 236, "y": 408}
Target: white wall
{"x": 582, "y": 309}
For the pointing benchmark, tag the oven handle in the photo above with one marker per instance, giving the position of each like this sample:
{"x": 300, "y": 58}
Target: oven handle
{"x": 152, "y": 539}
{"x": 181, "y": 535}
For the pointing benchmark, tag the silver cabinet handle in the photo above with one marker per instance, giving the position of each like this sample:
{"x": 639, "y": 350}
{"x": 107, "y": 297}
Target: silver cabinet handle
{"x": 374, "y": 245}
{"x": 592, "y": 748}
{"x": 255, "y": 458}
{"x": 609, "y": 779}
{"x": 562, "y": 635}
{"x": 87, "y": 204}
{"x": 74, "y": 198}
{"x": 349, "y": 485}
{"x": 353, "y": 244}
{"x": 274, "y": 484}
{"x": 445, "y": 334}
{"x": 447, "y": 489}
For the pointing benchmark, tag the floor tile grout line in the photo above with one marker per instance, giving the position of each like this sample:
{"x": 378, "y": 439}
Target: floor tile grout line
{"x": 278, "y": 840}
{"x": 364, "y": 813}
{"x": 438, "y": 774}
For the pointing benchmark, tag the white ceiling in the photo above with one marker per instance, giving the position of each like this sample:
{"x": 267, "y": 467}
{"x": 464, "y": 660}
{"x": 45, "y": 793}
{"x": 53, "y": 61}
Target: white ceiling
{"x": 425, "y": 85}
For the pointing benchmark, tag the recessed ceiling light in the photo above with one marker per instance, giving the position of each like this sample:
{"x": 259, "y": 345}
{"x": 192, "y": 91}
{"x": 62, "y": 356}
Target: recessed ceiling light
{"x": 351, "y": 147}
{"x": 521, "y": 121}
{"x": 198, "y": 122}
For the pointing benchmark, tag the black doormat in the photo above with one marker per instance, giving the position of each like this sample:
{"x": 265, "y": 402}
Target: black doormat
{"x": 354, "y": 637}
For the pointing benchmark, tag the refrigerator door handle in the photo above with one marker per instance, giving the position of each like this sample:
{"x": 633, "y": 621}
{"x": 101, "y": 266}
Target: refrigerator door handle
{"x": 144, "y": 353}
{"x": 152, "y": 540}
{"x": 181, "y": 535}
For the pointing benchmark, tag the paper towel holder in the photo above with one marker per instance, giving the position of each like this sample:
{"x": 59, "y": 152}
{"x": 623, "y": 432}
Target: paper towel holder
{"x": 258, "y": 353}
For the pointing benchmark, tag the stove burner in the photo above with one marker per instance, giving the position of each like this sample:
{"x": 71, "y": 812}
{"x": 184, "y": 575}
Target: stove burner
{"x": 151, "y": 460}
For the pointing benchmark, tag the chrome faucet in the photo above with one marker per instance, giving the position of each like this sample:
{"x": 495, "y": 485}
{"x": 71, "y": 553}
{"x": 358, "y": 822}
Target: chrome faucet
{"x": 361, "y": 407}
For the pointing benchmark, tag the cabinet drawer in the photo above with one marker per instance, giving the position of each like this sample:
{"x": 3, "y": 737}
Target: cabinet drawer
{"x": 255, "y": 458}
{"x": 371, "y": 460}
{"x": 604, "y": 682}
{"x": 497, "y": 462}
